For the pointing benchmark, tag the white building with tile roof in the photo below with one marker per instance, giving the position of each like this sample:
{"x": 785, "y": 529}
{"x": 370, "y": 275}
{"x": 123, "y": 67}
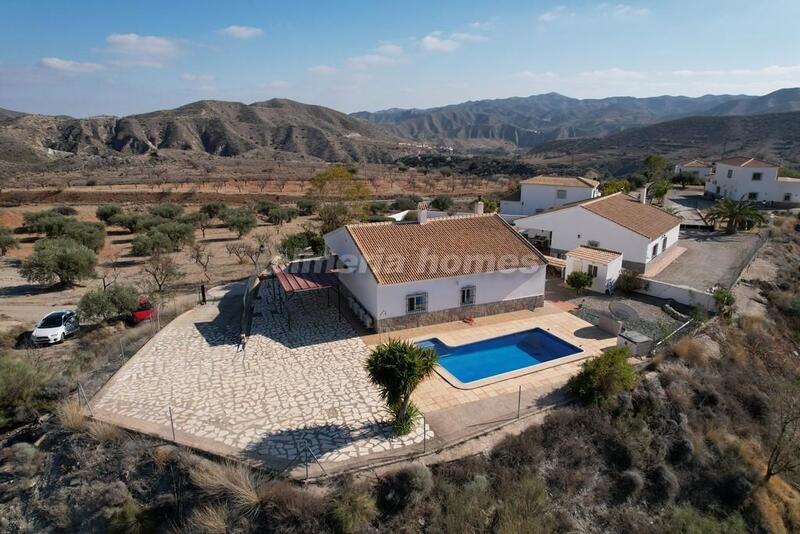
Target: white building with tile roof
{"x": 601, "y": 264}
{"x": 541, "y": 193}
{"x": 743, "y": 178}
{"x": 408, "y": 274}
{"x": 695, "y": 167}
{"x": 642, "y": 232}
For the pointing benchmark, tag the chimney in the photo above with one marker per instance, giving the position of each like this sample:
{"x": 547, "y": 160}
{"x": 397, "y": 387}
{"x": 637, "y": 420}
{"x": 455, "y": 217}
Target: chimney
{"x": 422, "y": 212}
{"x": 479, "y": 207}
{"x": 643, "y": 194}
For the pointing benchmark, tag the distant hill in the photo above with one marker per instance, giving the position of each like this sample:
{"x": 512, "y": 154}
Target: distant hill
{"x": 9, "y": 114}
{"x": 212, "y": 127}
{"x": 774, "y": 137}
{"x": 524, "y": 122}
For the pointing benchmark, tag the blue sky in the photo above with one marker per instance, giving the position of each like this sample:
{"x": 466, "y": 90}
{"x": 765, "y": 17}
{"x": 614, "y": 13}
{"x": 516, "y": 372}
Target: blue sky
{"x": 90, "y": 57}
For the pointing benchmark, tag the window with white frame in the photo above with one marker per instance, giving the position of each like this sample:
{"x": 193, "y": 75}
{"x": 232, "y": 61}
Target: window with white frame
{"x": 416, "y": 303}
{"x": 756, "y": 176}
{"x": 655, "y": 250}
{"x": 561, "y": 193}
{"x": 468, "y": 295}
{"x": 730, "y": 173}
{"x": 752, "y": 196}
{"x": 592, "y": 270}
{"x": 664, "y": 243}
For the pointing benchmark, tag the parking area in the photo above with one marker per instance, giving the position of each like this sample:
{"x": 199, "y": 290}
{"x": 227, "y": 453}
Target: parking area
{"x": 710, "y": 258}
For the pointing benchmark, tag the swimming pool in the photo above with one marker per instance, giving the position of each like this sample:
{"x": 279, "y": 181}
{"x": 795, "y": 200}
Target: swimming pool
{"x": 500, "y": 355}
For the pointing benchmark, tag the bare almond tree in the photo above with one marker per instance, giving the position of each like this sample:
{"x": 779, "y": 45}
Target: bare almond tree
{"x": 163, "y": 272}
{"x": 783, "y": 431}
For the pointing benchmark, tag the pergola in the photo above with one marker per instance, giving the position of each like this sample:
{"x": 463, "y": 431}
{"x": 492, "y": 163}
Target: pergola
{"x": 303, "y": 276}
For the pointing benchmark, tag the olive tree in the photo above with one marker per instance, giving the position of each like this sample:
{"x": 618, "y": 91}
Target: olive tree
{"x": 104, "y": 304}
{"x": 59, "y": 260}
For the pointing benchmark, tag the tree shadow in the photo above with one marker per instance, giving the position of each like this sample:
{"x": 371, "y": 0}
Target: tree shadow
{"x": 287, "y": 448}
{"x": 224, "y": 329}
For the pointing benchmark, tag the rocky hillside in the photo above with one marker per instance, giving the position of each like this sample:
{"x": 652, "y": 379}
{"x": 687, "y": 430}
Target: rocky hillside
{"x": 774, "y": 137}
{"x": 211, "y": 127}
{"x": 534, "y": 120}
{"x": 9, "y": 114}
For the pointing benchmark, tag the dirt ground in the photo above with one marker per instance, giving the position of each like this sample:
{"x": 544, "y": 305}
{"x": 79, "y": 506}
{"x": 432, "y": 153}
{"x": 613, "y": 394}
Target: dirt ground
{"x": 25, "y": 303}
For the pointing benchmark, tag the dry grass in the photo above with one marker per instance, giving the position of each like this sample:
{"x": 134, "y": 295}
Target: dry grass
{"x": 244, "y": 487}
{"x": 690, "y": 351}
{"x": 70, "y": 415}
{"x": 209, "y": 519}
{"x": 164, "y": 455}
{"x": 105, "y": 432}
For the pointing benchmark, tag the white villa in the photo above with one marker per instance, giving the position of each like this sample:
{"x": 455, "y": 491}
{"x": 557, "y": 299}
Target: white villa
{"x": 641, "y": 232}
{"x": 406, "y": 274}
{"x": 696, "y": 167}
{"x": 750, "y": 179}
{"x": 541, "y": 193}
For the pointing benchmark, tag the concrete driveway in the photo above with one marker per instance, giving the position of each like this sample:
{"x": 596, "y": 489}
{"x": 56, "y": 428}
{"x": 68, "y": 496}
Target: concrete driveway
{"x": 710, "y": 258}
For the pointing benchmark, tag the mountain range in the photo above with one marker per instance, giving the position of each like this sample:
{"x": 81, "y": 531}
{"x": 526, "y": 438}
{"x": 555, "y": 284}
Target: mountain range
{"x": 538, "y": 124}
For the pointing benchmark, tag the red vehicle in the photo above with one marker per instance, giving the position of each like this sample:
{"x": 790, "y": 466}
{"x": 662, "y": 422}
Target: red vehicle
{"x": 143, "y": 311}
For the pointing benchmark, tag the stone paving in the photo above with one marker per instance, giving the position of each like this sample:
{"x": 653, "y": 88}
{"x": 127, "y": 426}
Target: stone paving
{"x": 288, "y": 388}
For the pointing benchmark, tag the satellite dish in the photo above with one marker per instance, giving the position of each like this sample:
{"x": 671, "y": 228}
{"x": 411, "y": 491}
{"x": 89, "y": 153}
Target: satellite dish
{"x": 622, "y": 312}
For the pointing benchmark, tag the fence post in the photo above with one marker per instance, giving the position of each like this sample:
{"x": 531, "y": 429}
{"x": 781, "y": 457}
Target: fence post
{"x": 171, "y": 422}
{"x": 121, "y": 348}
{"x": 519, "y": 401}
{"x": 85, "y": 399}
{"x": 424, "y": 435}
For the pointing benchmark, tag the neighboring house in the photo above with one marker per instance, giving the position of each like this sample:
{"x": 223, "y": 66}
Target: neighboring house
{"x": 750, "y": 179}
{"x": 405, "y": 274}
{"x": 696, "y": 167}
{"x": 640, "y": 231}
{"x": 541, "y": 193}
{"x": 601, "y": 264}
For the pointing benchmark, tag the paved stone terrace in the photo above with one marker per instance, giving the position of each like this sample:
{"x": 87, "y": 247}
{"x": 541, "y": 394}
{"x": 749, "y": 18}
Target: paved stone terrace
{"x": 286, "y": 388}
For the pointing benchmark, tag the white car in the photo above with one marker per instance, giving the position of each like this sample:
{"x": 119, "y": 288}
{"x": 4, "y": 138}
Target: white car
{"x": 55, "y": 327}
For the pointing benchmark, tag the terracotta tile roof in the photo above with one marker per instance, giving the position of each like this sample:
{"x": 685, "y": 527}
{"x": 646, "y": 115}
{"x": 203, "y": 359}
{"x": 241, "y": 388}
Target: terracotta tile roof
{"x": 741, "y": 161}
{"x": 407, "y": 252}
{"x": 695, "y": 163}
{"x": 628, "y": 212}
{"x": 564, "y": 181}
{"x": 644, "y": 219}
{"x": 597, "y": 255}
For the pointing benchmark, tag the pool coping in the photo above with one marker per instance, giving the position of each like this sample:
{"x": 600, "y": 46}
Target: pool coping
{"x": 516, "y": 373}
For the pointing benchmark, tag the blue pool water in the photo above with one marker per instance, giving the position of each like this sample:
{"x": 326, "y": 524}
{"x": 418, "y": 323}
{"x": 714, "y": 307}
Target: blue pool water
{"x": 495, "y": 356}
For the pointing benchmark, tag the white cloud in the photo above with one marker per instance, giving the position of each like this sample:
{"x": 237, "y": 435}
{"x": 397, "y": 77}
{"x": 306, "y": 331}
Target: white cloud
{"x": 434, "y": 42}
{"x": 768, "y": 71}
{"x": 613, "y": 73}
{"x": 461, "y": 36}
{"x": 623, "y": 10}
{"x": 554, "y": 14}
{"x": 241, "y": 32}
{"x": 481, "y": 25}
{"x": 322, "y": 69}
{"x": 141, "y": 50}
{"x": 535, "y": 76}
{"x": 369, "y": 60}
{"x": 389, "y": 50}
{"x": 66, "y": 65}
{"x": 191, "y": 77}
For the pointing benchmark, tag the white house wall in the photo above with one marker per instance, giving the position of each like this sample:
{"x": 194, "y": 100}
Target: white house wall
{"x": 444, "y": 293}
{"x": 542, "y": 197}
{"x": 361, "y": 284}
{"x": 741, "y": 184}
{"x": 672, "y": 238}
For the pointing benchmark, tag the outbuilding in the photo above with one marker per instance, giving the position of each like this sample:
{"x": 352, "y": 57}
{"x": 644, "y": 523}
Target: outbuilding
{"x": 601, "y": 264}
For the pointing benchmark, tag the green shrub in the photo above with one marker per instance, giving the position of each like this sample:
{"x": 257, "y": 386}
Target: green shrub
{"x": 7, "y": 240}
{"x": 685, "y": 519}
{"x": 239, "y": 220}
{"x": 212, "y": 209}
{"x": 47, "y": 222}
{"x": 579, "y": 280}
{"x": 130, "y": 518}
{"x": 102, "y": 305}
{"x": 629, "y": 281}
{"x": 462, "y": 507}
{"x": 405, "y": 488}
{"x": 61, "y": 260}
{"x": 603, "y": 376}
{"x": 126, "y": 219}
{"x": 525, "y": 499}
{"x": 406, "y": 203}
{"x": 106, "y": 212}
{"x": 351, "y": 511}
{"x": 378, "y": 208}
{"x": 293, "y": 244}
{"x": 20, "y": 383}
{"x": 630, "y": 484}
{"x": 280, "y": 215}
{"x": 442, "y": 203}
{"x": 165, "y": 237}
{"x": 307, "y": 206}
{"x": 69, "y": 211}
{"x": 263, "y": 207}
{"x": 334, "y": 216}
{"x": 725, "y": 300}
{"x": 166, "y": 210}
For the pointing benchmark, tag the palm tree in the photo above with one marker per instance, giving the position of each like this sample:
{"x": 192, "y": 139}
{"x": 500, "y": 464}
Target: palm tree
{"x": 735, "y": 214}
{"x": 397, "y": 367}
